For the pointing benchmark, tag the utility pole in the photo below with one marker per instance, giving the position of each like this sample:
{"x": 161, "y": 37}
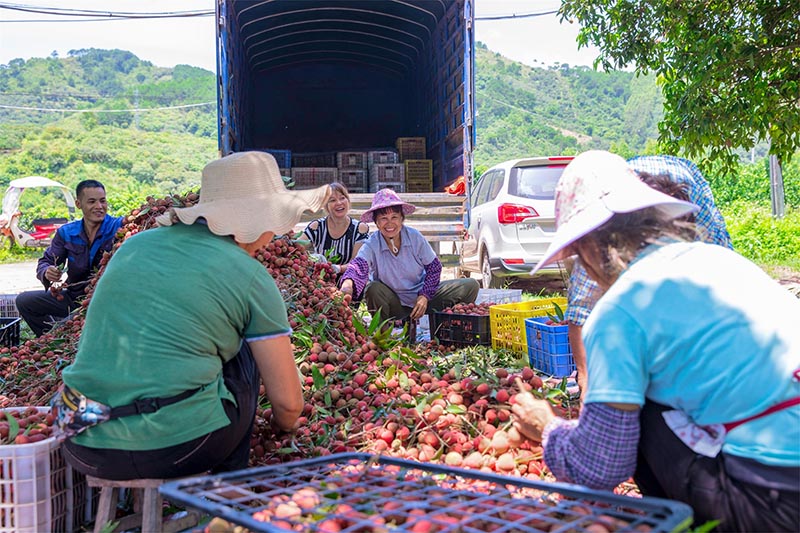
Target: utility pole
{"x": 136, "y": 108}
{"x": 776, "y": 187}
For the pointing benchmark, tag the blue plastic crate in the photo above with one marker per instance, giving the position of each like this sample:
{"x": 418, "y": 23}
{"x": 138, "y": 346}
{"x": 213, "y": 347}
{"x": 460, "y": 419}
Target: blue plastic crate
{"x": 283, "y": 157}
{"x": 360, "y": 492}
{"x": 548, "y": 347}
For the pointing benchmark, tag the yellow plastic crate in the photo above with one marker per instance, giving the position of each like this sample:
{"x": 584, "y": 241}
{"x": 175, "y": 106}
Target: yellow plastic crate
{"x": 507, "y": 321}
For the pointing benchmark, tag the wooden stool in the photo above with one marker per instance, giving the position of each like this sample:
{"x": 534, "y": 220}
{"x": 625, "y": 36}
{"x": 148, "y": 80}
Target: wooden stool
{"x": 151, "y": 506}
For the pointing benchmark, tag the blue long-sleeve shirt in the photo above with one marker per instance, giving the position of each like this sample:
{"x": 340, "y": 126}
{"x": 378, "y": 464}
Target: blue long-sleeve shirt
{"x": 71, "y": 245}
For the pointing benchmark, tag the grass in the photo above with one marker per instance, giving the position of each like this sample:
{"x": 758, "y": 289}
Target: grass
{"x": 16, "y": 254}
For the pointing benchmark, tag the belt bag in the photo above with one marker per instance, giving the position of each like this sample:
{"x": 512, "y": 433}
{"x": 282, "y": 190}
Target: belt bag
{"x": 74, "y": 412}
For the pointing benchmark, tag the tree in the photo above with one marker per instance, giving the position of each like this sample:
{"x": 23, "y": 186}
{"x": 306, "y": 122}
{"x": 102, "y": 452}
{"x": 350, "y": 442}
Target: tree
{"x": 729, "y": 69}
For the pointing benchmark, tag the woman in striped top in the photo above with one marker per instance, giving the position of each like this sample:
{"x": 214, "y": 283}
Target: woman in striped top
{"x": 337, "y": 236}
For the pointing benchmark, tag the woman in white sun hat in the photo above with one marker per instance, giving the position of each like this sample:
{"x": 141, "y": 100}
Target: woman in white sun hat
{"x": 181, "y": 327}
{"x": 396, "y": 269}
{"x": 693, "y": 355}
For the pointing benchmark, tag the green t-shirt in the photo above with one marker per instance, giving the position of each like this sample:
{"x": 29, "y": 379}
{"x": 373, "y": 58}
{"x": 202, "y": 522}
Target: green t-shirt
{"x": 171, "y": 307}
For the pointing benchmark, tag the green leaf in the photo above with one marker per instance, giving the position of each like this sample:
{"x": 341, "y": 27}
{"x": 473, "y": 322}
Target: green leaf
{"x": 456, "y": 409}
{"x": 13, "y": 427}
{"x": 359, "y": 326}
{"x": 319, "y": 379}
{"x": 421, "y": 404}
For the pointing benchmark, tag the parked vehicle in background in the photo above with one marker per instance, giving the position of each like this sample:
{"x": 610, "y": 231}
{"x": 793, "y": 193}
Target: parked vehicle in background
{"x": 16, "y": 228}
{"x": 509, "y": 220}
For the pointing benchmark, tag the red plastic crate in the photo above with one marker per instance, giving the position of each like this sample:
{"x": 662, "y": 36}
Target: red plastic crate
{"x": 354, "y": 179}
{"x": 388, "y": 172}
{"x": 351, "y": 160}
{"x": 314, "y": 176}
{"x": 382, "y": 158}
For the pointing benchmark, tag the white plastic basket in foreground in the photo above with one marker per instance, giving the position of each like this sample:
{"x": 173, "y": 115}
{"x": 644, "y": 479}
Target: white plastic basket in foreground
{"x": 39, "y": 491}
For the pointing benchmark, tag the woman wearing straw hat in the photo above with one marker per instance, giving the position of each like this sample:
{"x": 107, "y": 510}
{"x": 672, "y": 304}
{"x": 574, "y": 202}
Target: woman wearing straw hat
{"x": 396, "y": 270}
{"x": 182, "y": 325}
{"x": 674, "y": 347}
{"x": 583, "y": 292}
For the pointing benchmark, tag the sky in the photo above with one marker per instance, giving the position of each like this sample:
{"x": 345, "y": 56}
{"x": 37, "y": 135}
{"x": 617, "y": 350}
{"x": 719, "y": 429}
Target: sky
{"x": 535, "y": 41}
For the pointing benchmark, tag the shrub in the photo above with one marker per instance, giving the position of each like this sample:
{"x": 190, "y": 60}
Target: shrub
{"x": 760, "y": 237}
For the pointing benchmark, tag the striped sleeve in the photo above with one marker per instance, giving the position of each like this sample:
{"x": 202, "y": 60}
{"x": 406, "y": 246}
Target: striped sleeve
{"x": 433, "y": 274}
{"x": 358, "y": 271}
{"x": 598, "y": 452}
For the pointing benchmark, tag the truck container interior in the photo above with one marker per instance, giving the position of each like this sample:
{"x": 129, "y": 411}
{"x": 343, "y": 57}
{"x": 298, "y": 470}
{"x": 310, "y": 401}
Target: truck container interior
{"x": 337, "y": 75}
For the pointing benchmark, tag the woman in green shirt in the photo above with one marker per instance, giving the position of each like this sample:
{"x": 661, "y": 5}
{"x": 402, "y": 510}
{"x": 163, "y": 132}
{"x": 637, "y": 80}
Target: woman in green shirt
{"x": 181, "y": 326}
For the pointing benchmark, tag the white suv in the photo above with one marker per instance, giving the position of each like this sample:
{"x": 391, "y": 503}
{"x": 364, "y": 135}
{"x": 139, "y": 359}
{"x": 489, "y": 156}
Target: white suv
{"x": 509, "y": 221}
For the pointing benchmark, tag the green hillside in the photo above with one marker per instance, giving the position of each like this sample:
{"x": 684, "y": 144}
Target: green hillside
{"x": 524, "y": 110}
{"x": 521, "y": 111}
{"x": 161, "y": 148}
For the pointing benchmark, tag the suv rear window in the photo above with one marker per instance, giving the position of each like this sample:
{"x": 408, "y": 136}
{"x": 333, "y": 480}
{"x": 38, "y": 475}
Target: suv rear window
{"x": 536, "y": 183}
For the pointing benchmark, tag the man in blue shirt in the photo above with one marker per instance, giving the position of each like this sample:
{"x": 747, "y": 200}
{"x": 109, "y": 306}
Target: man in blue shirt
{"x": 79, "y": 246}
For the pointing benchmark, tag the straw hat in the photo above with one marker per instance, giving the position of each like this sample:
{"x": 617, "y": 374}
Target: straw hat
{"x": 243, "y": 195}
{"x": 386, "y": 198}
{"x": 595, "y": 186}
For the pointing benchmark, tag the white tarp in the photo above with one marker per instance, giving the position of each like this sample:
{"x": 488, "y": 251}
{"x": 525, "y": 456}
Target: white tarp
{"x": 15, "y": 188}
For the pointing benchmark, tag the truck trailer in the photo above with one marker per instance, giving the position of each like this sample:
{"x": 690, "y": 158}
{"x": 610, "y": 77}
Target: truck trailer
{"x": 319, "y": 83}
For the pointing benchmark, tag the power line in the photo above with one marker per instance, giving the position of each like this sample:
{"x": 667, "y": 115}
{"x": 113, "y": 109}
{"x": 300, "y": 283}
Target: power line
{"x": 94, "y": 97}
{"x": 106, "y": 15}
{"x": 53, "y": 110}
{"x": 517, "y": 16}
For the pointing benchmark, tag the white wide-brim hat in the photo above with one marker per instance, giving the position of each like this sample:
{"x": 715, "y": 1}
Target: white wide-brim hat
{"x": 243, "y": 195}
{"x": 595, "y": 186}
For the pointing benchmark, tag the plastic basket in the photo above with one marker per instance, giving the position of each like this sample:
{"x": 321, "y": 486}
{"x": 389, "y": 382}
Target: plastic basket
{"x": 508, "y": 321}
{"x": 548, "y": 347}
{"x": 8, "y": 305}
{"x": 375, "y": 186}
{"x": 378, "y": 157}
{"x": 351, "y": 160}
{"x": 314, "y": 176}
{"x": 314, "y": 159}
{"x": 360, "y": 492}
{"x": 387, "y": 172}
{"x": 461, "y": 330}
{"x": 354, "y": 179}
{"x": 9, "y": 331}
{"x": 411, "y": 148}
{"x": 39, "y": 491}
{"x": 499, "y": 296}
{"x": 282, "y": 157}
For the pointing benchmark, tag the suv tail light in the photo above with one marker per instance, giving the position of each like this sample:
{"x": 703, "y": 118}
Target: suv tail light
{"x": 513, "y": 213}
